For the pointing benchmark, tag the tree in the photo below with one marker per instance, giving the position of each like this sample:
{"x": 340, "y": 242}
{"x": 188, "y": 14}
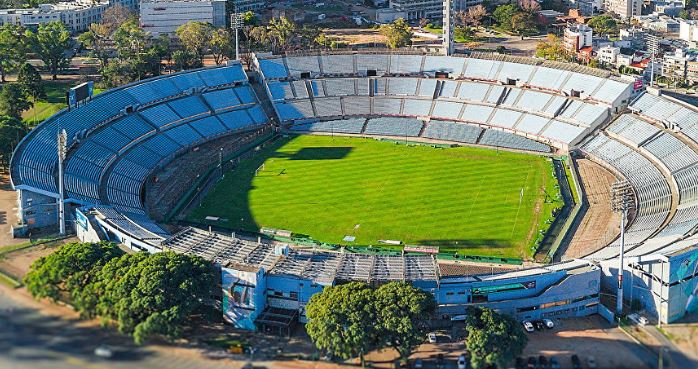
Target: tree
{"x": 195, "y": 37}
{"x": 30, "y": 80}
{"x": 68, "y": 270}
{"x": 342, "y": 320}
{"x": 493, "y": 338}
{"x": 398, "y": 33}
{"x": 154, "y": 294}
{"x": 185, "y": 59}
{"x": 11, "y": 132}
{"x": 476, "y": 14}
{"x": 220, "y": 45}
{"x": 98, "y": 39}
{"x": 13, "y": 100}
{"x": 503, "y": 15}
{"x": 13, "y": 44}
{"x": 114, "y": 16}
{"x": 281, "y": 31}
{"x": 529, "y": 6}
{"x": 402, "y": 312}
{"x": 551, "y": 49}
{"x": 603, "y": 24}
{"x": 50, "y": 43}
{"x": 522, "y": 23}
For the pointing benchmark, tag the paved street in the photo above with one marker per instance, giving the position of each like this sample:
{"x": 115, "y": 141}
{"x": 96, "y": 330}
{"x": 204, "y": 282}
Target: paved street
{"x": 33, "y": 339}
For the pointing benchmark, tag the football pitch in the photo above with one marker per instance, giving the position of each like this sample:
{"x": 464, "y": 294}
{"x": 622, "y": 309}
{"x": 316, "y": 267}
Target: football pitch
{"x": 473, "y": 200}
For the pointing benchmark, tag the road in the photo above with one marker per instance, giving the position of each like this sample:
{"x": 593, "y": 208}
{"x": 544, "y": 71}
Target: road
{"x": 32, "y": 338}
{"x": 676, "y": 358}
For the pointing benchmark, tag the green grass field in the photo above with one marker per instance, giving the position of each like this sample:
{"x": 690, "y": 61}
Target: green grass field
{"x": 465, "y": 199}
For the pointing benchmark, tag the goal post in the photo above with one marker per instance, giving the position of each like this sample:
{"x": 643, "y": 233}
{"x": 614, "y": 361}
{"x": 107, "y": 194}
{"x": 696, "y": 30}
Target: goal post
{"x": 259, "y": 169}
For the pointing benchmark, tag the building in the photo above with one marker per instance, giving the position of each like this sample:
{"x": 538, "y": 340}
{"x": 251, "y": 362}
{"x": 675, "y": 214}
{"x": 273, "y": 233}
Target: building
{"x": 248, "y": 5}
{"x": 430, "y": 9}
{"x": 637, "y": 36}
{"x": 692, "y": 71}
{"x": 577, "y": 37}
{"x": 670, "y": 8}
{"x": 674, "y": 65}
{"x": 625, "y": 9}
{"x": 659, "y": 23}
{"x": 77, "y": 15}
{"x": 688, "y": 30}
{"x": 608, "y": 54}
{"x": 165, "y": 16}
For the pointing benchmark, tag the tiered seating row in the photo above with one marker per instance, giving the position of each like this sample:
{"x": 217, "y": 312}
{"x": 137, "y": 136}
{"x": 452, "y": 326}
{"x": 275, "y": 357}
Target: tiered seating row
{"x": 652, "y": 190}
{"x": 292, "y": 67}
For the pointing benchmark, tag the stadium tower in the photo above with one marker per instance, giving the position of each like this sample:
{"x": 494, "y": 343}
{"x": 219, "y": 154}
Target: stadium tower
{"x": 448, "y": 27}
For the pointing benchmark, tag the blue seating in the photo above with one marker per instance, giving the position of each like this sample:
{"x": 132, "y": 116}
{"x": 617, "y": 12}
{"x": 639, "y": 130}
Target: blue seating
{"x": 183, "y": 135}
{"x": 188, "y": 106}
{"x": 236, "y": 119}
{"x": 160, "y": 115}
{"x": 245, "y": 94}
{"x": 221, "y": 99}
{"x": 161, "y": 145}
{"x": 209, "y": 126}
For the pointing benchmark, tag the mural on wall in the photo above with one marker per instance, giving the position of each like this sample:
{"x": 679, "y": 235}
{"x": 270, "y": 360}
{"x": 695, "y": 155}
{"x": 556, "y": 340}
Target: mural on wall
{"x": 687, "y": 268}
{"x": 239, "y": 292}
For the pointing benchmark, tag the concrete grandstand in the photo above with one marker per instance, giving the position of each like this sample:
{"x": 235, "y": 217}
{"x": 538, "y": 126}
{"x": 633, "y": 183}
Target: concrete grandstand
{"x": 122, "y": 139}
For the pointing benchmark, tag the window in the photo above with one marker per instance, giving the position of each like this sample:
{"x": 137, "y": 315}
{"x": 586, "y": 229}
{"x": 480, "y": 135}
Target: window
{"x": 293, "y": 295}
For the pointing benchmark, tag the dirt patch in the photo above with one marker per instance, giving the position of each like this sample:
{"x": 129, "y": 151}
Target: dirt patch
{"x": 599, "y": 225}
{"x": 17, "y": 263}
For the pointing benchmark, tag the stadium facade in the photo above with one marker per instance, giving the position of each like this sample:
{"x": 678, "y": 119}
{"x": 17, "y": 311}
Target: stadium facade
{"x": 119, "y": 139}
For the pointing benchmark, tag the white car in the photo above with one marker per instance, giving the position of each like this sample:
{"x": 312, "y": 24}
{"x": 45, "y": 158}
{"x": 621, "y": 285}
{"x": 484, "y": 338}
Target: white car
{"x": 528, "y": 326}
{"x": 431, "y": 338}
{"x": 548, "y": 323}
{"x": 462, "y": 362}
{"x": 103, "y": 351}
{"x": 643, "y": 321}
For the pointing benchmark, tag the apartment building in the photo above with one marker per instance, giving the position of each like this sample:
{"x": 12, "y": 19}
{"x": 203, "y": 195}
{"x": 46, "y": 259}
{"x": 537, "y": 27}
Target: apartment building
{"x": 165, "y": 16}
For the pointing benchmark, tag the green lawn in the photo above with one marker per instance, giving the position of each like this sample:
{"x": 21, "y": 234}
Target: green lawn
{"x": 55, "y": 101}
{"x": 464, "y": 198}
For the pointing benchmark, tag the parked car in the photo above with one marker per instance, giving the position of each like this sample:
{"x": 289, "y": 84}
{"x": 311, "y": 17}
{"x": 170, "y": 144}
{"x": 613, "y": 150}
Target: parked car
{"x": 462, "y": 362}
{"x": 532, "y": 363}
{"x": 418, "y": 364}
{"x": 643, "y": 321}
{"x": 520, "y": 363}
{"x": 539, "y": 324}
{"x": 542, "y": 362}
{"x": 104, "y": 352}
{"x": 527, "y": 326}
{"x": 576, "y": 364}
{"x": 548, "y": 323}
{"x": 554, "y": 364}
{"x": 440, "y": 363}
{"x": 431, "y": 337}
{"x": 591, "y": 362}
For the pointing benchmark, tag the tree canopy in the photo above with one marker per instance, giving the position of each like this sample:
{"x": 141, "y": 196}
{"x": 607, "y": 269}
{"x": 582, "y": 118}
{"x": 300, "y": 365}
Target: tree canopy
{"x": 11, "y": 132}
{"x": 493, "y": 338}
{"x": 402, "y": 311}
{"x": 196, "y": 37}
{"x": 13, "y": 100}
{"x": 12, "y": 49}
{"x": 604, "y": 24}
{"x": 398, "y": 33}
{"x": 50, "y": 42}
{"x": 67, "y": 270}
{"x": 342, "y": 320}
{"x": 143, "y": 294}
{"x": 30, "y": 80}
{"x": 350, "y": 320}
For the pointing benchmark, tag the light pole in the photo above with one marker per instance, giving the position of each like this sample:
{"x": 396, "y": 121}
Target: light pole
{"x": 236, "y": 22}
{"x": 621, "y": 202}
{"x": 62, "y": 151}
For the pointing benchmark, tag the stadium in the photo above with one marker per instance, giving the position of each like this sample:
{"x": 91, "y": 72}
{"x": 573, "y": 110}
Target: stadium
{"x": 483, "y": 179}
